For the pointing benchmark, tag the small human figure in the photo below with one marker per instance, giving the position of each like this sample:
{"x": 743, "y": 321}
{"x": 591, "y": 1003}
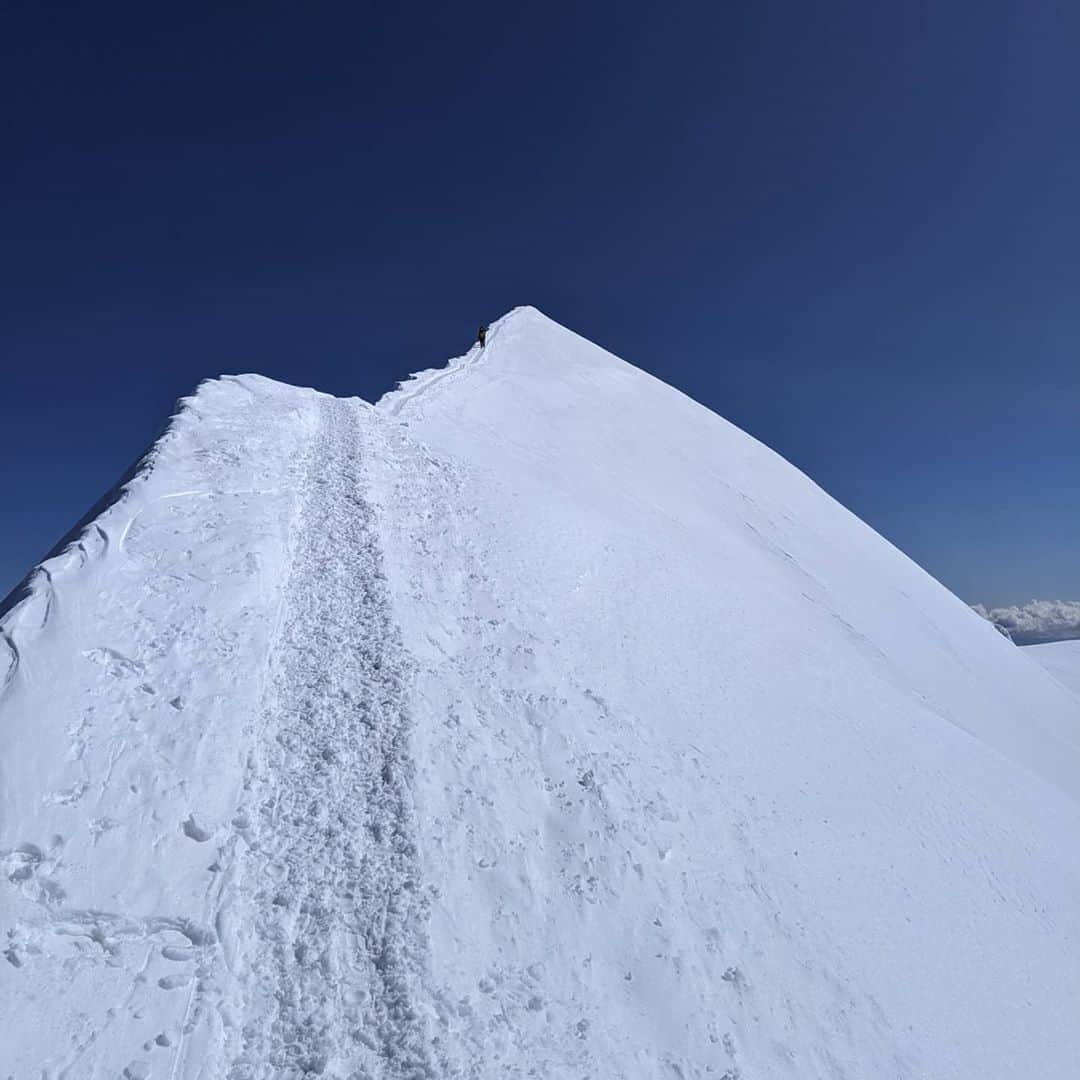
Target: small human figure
{"x": 481, "y": 336}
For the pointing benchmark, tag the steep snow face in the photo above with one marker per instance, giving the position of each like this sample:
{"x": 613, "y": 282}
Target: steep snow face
{"x": 533, "y": 722}
{"x": 1061, "y": 659}
{"x": 725, "y": 781}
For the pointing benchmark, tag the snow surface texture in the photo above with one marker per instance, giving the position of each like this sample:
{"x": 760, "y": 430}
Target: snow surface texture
{"x": 1061, "y": 659}
{"x": 533, "y": 722}
{"x": 1037, "y": 621}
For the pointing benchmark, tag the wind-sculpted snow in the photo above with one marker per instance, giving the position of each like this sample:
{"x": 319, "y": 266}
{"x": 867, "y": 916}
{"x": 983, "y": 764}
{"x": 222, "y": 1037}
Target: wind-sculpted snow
{"x": 142, "y": 651}
{"x": 534, "y": 722}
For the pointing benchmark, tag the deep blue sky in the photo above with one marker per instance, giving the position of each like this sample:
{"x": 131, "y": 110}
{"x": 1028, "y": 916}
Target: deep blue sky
{"x": 853, "y": 229}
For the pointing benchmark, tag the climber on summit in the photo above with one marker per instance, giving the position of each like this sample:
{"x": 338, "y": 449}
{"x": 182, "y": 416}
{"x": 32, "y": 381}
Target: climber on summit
{"x": 481, "y": 336}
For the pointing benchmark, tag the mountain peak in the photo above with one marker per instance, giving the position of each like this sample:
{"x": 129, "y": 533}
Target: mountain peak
{"x": 523, "y": 342}
{"x": 339, "y": 741}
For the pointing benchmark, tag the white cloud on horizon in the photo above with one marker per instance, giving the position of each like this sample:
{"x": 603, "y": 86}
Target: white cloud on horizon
{"x": 1036, "y": 621}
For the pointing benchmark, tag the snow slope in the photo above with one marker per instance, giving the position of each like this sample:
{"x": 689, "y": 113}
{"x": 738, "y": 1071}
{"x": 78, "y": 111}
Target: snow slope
{"x": 532, "y": 722}
{"x": 1061, "y": 659}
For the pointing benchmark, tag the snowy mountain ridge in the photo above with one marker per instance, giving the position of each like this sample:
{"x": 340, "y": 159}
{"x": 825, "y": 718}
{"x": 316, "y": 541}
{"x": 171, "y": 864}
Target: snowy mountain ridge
{"x": 532, "y": 722}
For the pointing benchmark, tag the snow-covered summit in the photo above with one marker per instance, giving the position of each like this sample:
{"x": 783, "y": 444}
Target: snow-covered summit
{"x": 534, "y": 721}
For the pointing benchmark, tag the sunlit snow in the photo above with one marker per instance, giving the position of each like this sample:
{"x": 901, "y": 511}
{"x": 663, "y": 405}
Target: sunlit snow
{"x": 1061, "y": 659}
{"x": 533, "y": 722}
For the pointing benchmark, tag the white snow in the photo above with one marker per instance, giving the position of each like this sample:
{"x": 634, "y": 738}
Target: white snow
{"x": 532, "y": 722}
{"x": 1061, "y": 659}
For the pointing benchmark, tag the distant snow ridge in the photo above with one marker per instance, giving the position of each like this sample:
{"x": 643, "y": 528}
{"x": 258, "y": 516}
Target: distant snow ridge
{"x": 1036, "y": 621}
{"x": 1062, "y": 660}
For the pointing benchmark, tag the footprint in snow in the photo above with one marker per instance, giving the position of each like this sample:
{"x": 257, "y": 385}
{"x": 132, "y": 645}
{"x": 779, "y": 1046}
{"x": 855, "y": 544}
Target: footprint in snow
{"x": 195, "y": 831}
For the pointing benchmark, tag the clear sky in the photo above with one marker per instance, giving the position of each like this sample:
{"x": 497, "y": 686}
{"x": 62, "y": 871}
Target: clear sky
{"x": 853, "y": 229}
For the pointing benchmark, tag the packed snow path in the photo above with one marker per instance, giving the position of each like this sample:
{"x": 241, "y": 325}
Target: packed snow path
{"x": 329, "y": 878}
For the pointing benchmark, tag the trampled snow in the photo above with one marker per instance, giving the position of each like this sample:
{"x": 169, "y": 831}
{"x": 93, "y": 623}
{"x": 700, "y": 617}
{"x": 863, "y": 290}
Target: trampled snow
{"x": 532, "y": 722}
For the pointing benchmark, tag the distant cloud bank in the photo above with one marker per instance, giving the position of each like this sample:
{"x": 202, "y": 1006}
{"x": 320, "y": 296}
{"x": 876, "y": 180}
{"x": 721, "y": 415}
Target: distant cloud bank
{"x": 1036, "y": 621}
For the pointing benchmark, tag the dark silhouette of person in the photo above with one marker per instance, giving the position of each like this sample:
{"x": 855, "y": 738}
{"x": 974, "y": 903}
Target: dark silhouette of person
{"x": 481, "y": 336}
